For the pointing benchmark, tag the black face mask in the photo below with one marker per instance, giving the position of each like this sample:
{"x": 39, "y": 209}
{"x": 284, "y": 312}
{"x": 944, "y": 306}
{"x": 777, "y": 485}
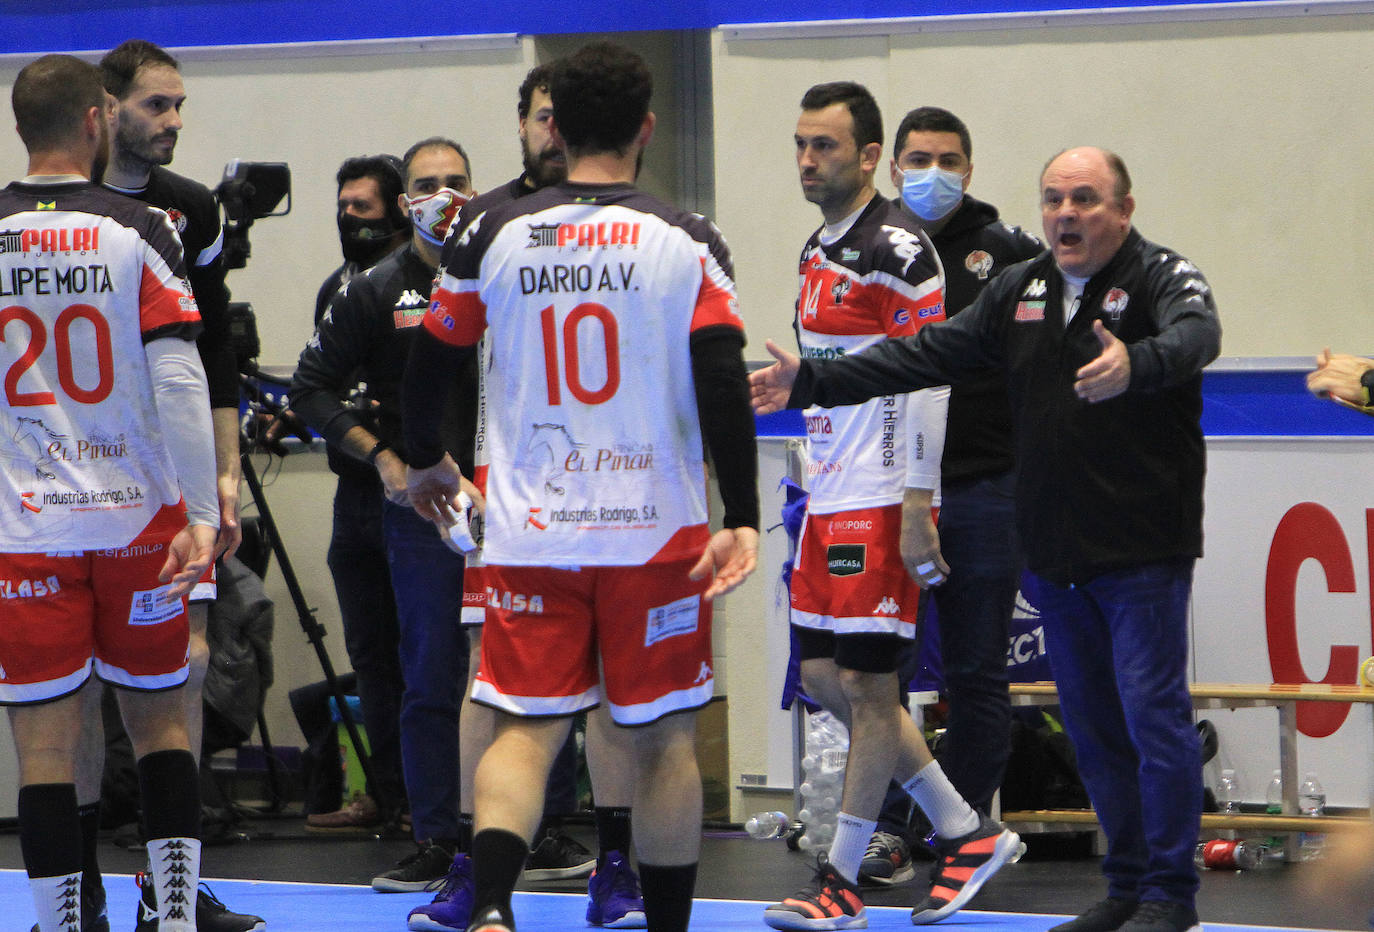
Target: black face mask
{"x": 364, "y": 241}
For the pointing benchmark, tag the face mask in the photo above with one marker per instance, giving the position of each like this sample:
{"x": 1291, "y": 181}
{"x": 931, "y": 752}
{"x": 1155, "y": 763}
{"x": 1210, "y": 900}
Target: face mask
{"x": 931, "y": 192}
{"x": 364, "y": 241}
{"x": 432, "y": 214}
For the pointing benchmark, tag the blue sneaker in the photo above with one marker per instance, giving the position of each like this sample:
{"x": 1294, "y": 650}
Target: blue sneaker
{"x": 451, "y": 909}
{"x": 613, "y": 900}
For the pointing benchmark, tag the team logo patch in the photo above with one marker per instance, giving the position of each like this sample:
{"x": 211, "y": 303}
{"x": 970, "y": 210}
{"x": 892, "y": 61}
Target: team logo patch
{"x": 1029, "y": 311}
{"x": 838, "y": 289}
{"x": 1114, "y": 305}
{"x": 672, "y": 620}
{"x": 979, "y": 263}
{"x": 845, "y": 559}
{"x": 849, "y": 255}
{"x": 178, "y": 219}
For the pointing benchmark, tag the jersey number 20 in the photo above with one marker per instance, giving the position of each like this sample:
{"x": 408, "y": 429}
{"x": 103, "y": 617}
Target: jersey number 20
{"x": 62, "y": 346}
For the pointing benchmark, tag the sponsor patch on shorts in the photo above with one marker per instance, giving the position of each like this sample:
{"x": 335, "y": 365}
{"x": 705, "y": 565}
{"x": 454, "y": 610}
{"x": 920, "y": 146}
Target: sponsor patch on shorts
{"x": 666, "y": 621}
{"x": 845, "y": 559}
{"x": 150, "y": 607}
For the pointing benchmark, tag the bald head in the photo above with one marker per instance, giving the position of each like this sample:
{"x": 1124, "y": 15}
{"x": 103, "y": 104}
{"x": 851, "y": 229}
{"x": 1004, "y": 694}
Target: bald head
{"x": 1086, "y": 207}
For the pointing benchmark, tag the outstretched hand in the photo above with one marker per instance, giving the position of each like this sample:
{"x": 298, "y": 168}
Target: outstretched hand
{"x": 1109, "y": 374}
{"x": 188, "y": 557}
{"x": 770, "y": 388}
{"x": 1338, "y": 375}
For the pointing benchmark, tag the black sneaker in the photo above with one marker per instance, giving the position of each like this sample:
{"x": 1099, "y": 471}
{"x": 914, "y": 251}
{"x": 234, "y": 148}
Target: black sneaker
{"x": 965, "y": 865}
{"x": 559, "y": 857}
{"x": 421, "y": 871}
{"x": 1105, "y": 916}
{"x": 829, "y": 902}
{"x": 211, "y": 914}
{"x": 1162, "y": 916}
{"x": 93, "y": 917}
{"x": 887, "y": 861}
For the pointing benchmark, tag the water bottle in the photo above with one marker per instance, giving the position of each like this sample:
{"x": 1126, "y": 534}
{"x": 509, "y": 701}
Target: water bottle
{"x": 1273, "y": 805}
{"x": 1221, "y": 854}
{"x": 763, "y": 825}
{"x": 1312, "y": 802}
{"x": 1227, "y": 794}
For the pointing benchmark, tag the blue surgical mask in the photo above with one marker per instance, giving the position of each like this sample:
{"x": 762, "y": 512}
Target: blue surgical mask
{"x": 932, "y": 192}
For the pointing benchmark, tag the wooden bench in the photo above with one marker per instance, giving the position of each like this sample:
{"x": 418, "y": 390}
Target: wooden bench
{"x": 1282, "y": 696}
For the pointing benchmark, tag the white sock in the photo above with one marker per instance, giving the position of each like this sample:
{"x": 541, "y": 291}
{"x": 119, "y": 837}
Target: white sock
{"x": 947, "y": 811}
{"x": 57, "y": 900}
{"x": 175, "y": 866}
{"x": 850, "y": 843}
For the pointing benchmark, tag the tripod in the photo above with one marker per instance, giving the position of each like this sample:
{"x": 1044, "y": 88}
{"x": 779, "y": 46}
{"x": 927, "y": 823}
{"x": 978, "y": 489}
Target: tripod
{"x": 314, "y": 631}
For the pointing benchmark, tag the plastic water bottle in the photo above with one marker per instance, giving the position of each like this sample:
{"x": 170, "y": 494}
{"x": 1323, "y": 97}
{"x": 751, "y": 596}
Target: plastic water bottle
{"x": 1273, "y": 805}
{"x": 1227, "y": 794}
{"x": 1312, "y": 802}
{"x": 1221, "y": 854}
{"x": 764, "y": 825}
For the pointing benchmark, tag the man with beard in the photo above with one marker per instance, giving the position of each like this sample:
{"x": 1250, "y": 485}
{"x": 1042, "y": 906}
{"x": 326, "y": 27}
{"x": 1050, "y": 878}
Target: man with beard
{"x": 147, "y": 88}
{"x": 614, "y": 900}
{"x": 120, "y": 520}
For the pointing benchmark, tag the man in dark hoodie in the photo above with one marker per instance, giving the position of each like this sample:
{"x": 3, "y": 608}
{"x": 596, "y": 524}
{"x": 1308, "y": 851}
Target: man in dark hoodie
{"x": 931, "y": 168}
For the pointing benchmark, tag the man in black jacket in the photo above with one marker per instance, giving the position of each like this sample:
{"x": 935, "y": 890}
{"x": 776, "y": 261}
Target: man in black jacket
{"x": 366, "y": 333}
{"x": 1101, "y": 343}
{"x": 931, "y": 166}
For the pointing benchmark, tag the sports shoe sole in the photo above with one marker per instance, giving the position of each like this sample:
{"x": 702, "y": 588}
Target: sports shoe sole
{"x": 900, "y": 875}
{"x": 634, "y": 919}
{"x": 1008, "y": 850}
{"x": 387, "y": 885}
{"x": 576, "y": 872}
{"x": 787, "y": 919}
{"x": 426, "y": 924}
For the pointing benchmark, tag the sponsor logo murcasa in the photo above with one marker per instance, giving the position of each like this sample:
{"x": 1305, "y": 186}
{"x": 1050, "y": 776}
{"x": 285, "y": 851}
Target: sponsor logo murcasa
{"x": 51, "y": 240}
{"x": 583, "y": 235}
{"x": 514, "y": 601}
{"x": 28, "y": 588}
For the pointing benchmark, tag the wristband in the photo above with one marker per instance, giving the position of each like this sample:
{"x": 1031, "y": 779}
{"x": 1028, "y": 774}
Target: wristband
{"x": 1367, "y": 380}
{"x": 376, "y": 451}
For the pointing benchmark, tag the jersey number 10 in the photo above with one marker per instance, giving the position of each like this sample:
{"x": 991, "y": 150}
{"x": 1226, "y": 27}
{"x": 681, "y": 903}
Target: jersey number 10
{"x": 572, "y": 368}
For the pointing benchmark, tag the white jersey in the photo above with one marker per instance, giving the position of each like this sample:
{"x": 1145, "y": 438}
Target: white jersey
{"x": 87, "y": 278}
{"x": 588, "y": 296}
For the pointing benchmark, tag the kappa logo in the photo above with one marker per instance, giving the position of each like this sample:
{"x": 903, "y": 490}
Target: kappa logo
{"x": 411, "y": 298}
{"x": 1114, "y": 305}
{"x": 704, "y": 674}
{"x": 888, "y": 606}
{"x": 1036, "y": 289}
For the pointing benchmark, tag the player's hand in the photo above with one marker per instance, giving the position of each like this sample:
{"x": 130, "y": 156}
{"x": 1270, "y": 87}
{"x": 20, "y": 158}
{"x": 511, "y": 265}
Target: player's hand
{"x": 434, "y": 489}
{"x": 188, "y": 557}
{"x": 920, "y": 544}
{"x": 1339, "y": 374}
{"x": 770, "y": 388}
{"x": 393, "y": 473}
{"x": 732, "y": 554}
{"x": 230, "y": 530}
{"x": 1109, "y": 374}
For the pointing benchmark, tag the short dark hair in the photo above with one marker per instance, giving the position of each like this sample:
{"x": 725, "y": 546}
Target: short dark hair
{"x": 428, "y": 143}
{"x": 537, "y": 80}
{"x": 51, "y": 97}
{"x": 601, "y": 97}
{"x": 386, "y": 171}
{"x": 120, "y": 65}
{"x": 868, "y": 119}
{"x": 932, "y": 120}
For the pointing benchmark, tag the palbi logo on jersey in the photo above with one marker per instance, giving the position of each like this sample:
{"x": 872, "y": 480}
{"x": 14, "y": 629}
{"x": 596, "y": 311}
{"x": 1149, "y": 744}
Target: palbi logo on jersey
{"x": 1114, "y": 305}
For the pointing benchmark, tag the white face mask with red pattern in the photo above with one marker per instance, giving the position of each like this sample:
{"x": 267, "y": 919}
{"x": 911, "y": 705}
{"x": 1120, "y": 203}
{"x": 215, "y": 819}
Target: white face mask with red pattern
{"x": 433, "y": 213}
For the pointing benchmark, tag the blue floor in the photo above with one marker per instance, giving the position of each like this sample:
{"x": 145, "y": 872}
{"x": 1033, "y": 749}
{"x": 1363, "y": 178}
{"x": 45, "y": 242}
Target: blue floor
{"x": 305, "y": 907}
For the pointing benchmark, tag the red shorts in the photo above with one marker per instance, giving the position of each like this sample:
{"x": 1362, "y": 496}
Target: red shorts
{"x": 474, "y": 611}
{"x": 849, "y": 576}
{"x": 546, "y": 630}
{"x": 65, "y": 612}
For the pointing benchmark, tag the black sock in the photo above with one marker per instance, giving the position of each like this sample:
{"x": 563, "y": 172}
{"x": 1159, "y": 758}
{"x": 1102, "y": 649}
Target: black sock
{"x": 613, "y": 831}
{"x": 49, "y": 829}
{"x": 667, "y": 895}
{"x": 465, "y": 831}
{"x": 89, "y": 815}
{"x": 549, "y": 823}
{"x": 498, "y": 857}
{"x": 170, "y": 778}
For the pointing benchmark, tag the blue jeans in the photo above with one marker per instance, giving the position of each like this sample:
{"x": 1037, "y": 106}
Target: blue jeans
{"x": 427, "y": 579}
{"x": 362, "y": 583}
{"x": 1118, "y": 646}
{"x": 973, "y": 609}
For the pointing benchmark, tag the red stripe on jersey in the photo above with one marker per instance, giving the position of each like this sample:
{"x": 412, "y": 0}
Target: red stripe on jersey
{"x": 479, "y": 477}
{"x": 715, "y": 305}
{"x": 161, "y": 304}
{"x": 456, "y": 318}
{"x": 906, "y": 318}
{"x": 686, "y": 542}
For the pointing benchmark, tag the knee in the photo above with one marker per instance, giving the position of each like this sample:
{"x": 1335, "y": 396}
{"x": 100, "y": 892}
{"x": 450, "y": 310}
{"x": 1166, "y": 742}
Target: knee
{"x": 864, "y": 690}
{"x": 198, "y": 659}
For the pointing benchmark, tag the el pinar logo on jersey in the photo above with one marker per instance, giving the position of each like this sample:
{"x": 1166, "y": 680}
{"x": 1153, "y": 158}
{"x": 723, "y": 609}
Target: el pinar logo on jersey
{"x": 81, "y": 239}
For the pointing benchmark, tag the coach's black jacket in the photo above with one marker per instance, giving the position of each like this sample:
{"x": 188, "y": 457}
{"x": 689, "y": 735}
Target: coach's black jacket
{"x": 1100, "y": 487}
